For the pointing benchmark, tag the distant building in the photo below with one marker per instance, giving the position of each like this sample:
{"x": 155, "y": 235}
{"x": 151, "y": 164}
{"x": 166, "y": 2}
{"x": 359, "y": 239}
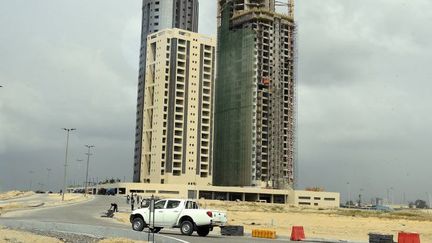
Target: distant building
{"x": 177, "y": 109}
{"x": 245, "y": 194}
{"x": 158, "y": 15}
{"x": 255, "y": 95}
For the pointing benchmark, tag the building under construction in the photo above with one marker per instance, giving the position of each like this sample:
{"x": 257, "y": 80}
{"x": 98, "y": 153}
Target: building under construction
{"x": 255, "y": 94}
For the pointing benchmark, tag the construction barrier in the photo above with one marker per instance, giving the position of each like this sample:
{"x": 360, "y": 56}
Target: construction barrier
{"x": 232, "y": 230}
{"x": 262, "y": 233}
{"x": 380, "y": 238}
{"x": 297, "y": 233}
{"x": 404, "y": 237}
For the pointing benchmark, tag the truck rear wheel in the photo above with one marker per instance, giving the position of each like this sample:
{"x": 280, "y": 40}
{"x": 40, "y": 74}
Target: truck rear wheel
{"x": 187, "y": 227}
{"x": 203, "y": 230}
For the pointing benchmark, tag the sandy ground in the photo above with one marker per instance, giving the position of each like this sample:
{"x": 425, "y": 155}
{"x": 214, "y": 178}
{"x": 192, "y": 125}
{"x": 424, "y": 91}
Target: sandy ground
{"x": 7, "y": 236}
{"x": 14, "y": 194}
{"x": 57, "y": 198}
{"x": 340, "y": 224}
{"x": 51, "y": 200}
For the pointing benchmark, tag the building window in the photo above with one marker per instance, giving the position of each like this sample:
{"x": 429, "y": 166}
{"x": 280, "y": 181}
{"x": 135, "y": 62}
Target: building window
{"x": 304, "y": 198}
{"x": 329, "y": 199}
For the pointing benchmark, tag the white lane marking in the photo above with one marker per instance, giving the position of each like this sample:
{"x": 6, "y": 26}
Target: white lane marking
{"x": 172, "y": 238}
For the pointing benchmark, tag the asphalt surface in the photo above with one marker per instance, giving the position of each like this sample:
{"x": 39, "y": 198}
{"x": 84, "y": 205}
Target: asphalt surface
{"x": 85, "y": 218}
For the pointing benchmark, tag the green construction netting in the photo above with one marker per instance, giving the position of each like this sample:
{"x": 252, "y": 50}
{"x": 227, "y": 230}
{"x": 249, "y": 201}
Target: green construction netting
{"x": 234, "y": 105}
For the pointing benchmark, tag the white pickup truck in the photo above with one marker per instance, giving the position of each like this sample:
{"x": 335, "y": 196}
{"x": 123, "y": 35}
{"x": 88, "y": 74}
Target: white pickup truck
{"x": 178, "y": 213}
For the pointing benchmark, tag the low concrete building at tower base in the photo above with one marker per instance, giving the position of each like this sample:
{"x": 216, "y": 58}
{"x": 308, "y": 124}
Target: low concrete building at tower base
{"x": 247, "y": 194}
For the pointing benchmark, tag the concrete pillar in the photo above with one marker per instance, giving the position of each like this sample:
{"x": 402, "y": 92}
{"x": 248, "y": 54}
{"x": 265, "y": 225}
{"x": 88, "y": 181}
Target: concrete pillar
{"x": 212, "y": 195}
{"x": 243, "y": 196}
{"x": 227, "y": 196}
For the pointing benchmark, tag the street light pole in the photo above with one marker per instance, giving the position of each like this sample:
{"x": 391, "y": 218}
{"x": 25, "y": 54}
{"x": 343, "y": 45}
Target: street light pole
{"x": 88, "y": 161}
{"x": 68, "y": 130}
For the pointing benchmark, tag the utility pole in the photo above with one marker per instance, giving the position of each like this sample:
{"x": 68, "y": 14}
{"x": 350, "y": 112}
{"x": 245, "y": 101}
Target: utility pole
{"x": 48, "y": 177}
{"x": 349, "y": 194}
{"x": 388, "y": 196}
{"x": 68, "y": 130}
{"x": 31, "y": 179}
{"x": 88, "y": 161}
{"x": 429, "y": 197}
{"x": 392, "y": 195}
{"x": 360, "y": 197}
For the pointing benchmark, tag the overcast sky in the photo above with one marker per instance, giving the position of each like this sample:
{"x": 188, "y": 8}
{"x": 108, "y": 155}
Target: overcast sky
{"x": 364, "y": 92}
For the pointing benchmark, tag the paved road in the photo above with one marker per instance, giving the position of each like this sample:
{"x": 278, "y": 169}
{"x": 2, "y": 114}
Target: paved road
{"x": 86, "y": 218}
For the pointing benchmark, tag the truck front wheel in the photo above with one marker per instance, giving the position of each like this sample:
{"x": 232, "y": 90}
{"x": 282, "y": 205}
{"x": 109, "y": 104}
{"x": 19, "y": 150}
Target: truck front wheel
{"x": 186, "y": 227}
{"x": 138, "y": 224}
{"x": 203, "y": 230}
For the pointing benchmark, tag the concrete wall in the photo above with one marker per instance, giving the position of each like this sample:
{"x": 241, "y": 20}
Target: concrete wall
{"x": 315, "y": 199}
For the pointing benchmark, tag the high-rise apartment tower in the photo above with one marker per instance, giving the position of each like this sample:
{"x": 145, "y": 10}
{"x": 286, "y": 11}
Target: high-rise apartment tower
{"x": 177, "y": 126}
{"x": 255, "y": 95}
{"x": 158, "y": 15}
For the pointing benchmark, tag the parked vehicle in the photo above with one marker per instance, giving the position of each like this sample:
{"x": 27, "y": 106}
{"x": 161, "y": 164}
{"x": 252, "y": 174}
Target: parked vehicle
{"x": 177, "y": 213}
{"x": 111, "y": 191}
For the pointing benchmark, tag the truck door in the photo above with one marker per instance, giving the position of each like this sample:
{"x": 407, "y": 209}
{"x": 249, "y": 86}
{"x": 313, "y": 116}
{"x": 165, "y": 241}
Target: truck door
{"x": 171, "y": 213}
{"x": 159, "y": 212}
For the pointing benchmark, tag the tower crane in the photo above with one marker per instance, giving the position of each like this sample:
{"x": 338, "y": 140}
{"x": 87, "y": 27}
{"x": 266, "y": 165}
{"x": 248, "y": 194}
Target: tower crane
{"x": 289, "y": 4}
